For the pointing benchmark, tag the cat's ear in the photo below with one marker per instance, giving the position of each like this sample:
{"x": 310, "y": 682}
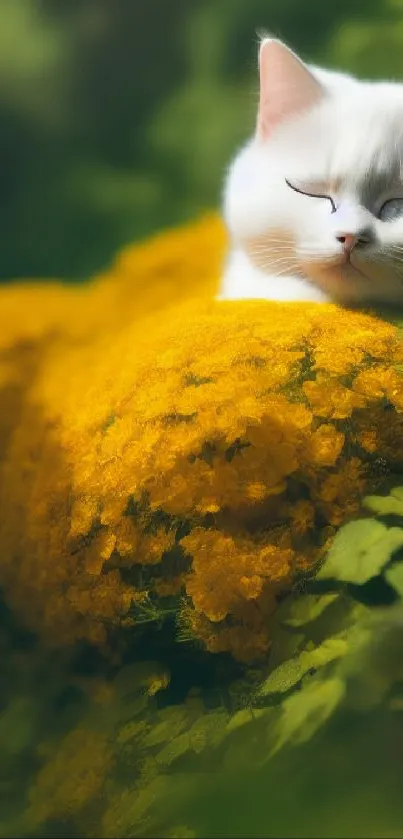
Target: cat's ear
{"x": 287, "y": 86}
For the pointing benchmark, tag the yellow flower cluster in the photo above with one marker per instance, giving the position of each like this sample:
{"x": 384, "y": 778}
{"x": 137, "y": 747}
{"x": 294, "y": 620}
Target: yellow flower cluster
{"x": 157, "y": 444}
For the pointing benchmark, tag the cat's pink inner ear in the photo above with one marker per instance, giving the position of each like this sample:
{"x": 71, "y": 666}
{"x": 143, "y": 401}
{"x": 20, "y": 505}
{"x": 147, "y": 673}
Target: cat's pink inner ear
{"x": 287, "y": 87}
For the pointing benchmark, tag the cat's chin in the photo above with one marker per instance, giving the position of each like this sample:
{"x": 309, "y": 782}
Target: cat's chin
{"x": 341, "y": 281}
{"x": 353, "y": 284}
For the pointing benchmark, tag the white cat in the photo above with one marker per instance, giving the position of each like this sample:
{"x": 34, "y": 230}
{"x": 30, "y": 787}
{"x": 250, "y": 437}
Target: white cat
{"x": 314, "y": 202}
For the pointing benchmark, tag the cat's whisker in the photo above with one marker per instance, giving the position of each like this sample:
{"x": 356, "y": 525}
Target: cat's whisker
{"x": 273, "y": 255}
{"x": 325, "y": 258}
{"x": 271, "y": 259}
{"x": 280, "y": 265}
{"x": 275, "y": 269}
{"x": 296, "y": 271}
{"x": 391, "y": 258}
{"x": 271, "y": 246}
{"x": 271, "y": 250}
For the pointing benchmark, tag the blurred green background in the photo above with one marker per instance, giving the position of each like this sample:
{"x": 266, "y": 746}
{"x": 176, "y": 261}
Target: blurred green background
{"x": 117, "y": 117}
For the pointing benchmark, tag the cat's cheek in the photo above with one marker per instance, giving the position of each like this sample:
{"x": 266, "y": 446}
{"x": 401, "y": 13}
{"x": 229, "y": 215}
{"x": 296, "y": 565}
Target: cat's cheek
{"x": 273, "y": 251}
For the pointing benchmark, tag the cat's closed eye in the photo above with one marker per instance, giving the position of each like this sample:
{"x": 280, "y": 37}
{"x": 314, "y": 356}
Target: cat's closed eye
{"x": 312, "y": 194}
{"x": 391, "y": 210}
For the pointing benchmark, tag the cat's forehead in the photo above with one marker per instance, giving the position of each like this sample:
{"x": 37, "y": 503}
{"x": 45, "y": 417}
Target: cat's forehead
{"x": 356, "y": 140}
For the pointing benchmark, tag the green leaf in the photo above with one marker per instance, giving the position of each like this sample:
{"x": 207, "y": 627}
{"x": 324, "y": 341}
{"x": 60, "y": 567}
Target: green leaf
{"x": 331, "y": 649}
{"x": 286, "y": 675}
{"x": 360, "y": 551}
{"x": 303, "y": 713}
{"x": 181, "y": 831}
{"x": 394, "y": 576}
{"x": 208, "y": 730}
{"x": 17, "y": 725}
{"x": 243, "y": 717}
{"x": 172, "y": 721}
{"x": 289, "y": 673}
{"x": 386, "y": 505}
{"x": 177, "y": 747}
{"x": 306, "y": 609}
{"x": 285, "y": 644}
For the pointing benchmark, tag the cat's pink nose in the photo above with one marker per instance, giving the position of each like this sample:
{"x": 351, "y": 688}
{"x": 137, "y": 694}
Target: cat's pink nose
{"x": 354, "y": 240}
{"x": 349, "y": 241}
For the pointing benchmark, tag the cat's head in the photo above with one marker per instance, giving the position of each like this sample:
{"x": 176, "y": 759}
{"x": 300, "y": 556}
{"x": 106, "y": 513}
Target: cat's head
{"x": 318, "y": 192}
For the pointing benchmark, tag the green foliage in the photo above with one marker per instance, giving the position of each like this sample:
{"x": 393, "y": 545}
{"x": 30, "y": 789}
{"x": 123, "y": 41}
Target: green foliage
{"x": 303, "y": 610}
{"x": 394, "y": 576}
{"x": 360, "y": 551}
{"x": 18, "y": 726}
{"x": 288, "y": 674}
{"x": 330, "y": 654}
{"x": 386, "y": 505}
{"x": 304, "y": 713}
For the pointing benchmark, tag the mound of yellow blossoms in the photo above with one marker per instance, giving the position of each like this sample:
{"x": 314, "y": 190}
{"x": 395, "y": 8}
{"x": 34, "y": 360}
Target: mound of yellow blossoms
{"x": 159, "y": 447}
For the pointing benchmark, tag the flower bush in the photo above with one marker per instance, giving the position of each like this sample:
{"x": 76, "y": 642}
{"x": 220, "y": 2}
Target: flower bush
{"x": 166, "y": 452}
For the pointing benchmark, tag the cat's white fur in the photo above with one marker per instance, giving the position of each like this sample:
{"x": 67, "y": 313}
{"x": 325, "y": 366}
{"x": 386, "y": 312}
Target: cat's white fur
{"x": 317, "y": 127}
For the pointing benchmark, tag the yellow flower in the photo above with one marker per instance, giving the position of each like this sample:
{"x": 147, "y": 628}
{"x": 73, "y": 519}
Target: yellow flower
{"x": 380, "y": 381}
{"x": 157, "y": 443}
{"x": 329, "y": 398}
{"x": 157, "y": 683}
{"x": 169, "y": 587}
{"x": 226, "y": 571}
{"x": 368, "y": 440}
{"x": 324, "y": 446}
{"x": 302, "y": 516}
